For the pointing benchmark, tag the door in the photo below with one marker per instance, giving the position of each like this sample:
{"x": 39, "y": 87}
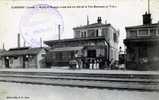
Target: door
{"x": 7, "y": 63}
{"x": 91, "y": 53}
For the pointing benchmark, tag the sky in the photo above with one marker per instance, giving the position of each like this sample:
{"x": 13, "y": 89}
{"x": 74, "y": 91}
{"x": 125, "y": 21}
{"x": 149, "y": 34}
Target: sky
{"x": 34, "y": 24}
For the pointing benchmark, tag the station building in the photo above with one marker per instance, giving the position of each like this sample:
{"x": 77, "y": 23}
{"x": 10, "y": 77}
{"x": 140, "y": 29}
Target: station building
{"x": 94, "y": 46}
{"x": 23, "y": 57}
{"x": 142, "y": 42}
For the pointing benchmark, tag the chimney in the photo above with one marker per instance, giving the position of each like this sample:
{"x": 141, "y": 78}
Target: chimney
{"x": 87, "y": 20}
{"x": 59, "y": 32}
{"x": 105, "y": 21}
{"x": 18, "y": 40}
{"x": 41, "y": 43}
{"x": 3, "y": 47}
{"x": 147, "y": 16}
{"x": 24, "y": 44}
{"x": 147, "y": 19}
{"x": 99, "y": 20}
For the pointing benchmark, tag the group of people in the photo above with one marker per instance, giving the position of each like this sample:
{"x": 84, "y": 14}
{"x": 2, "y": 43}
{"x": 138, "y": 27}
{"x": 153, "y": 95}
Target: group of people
{"x": 91, "y": 63}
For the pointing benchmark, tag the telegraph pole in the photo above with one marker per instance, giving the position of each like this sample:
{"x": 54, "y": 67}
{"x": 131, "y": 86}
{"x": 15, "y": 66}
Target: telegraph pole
{"x": 59, "y": 33}
{"x": 148, "y": 6}
{"x": 41, "y": 43}
{"x": 3, "y": 47}
{"x": 87, "y": 20}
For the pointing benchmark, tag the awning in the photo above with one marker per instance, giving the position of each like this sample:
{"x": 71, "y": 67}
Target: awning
{"x": 67, "y": 49}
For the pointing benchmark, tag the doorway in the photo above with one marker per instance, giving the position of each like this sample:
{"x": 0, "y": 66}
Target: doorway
{"x": 7, "y": 62}
{"x": 91, "y": 53}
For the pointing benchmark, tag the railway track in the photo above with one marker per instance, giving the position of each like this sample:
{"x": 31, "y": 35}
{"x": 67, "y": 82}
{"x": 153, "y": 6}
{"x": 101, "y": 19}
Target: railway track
{"x": 149, "y": 82}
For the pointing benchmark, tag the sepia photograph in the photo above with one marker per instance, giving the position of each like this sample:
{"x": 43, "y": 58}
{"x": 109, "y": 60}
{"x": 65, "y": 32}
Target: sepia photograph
{"x": 79, "y": 49}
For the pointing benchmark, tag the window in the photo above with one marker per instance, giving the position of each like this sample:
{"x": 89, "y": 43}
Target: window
{"x": 153, "y": 31}
{"x": 85, "y": 34}
{"x": 115, "y": 37}
{"x": 65, "y": 55}
{"x": 97, "y": 33}
{"x": 104, "y": 31}
{"x": 158, "y": 32}
{"x": 91, "y": 33}
{"x": 131, "y": 33}
{"x": 72, "y": 54}
{"x": 142, "y": 52}
{"x": 143, "y": 32}
{"x": 81, "y": 34}
{"x": 77, "y": 34}
{"x": 59, "y": 55}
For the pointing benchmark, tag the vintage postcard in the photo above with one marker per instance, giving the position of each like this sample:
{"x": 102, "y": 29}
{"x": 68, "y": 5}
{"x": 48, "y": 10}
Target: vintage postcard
{"x": 79, "y": 49}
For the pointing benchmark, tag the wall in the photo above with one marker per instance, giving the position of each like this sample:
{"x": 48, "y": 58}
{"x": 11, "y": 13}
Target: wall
{"x": 40, "y": 59}
{"x": 16, "y": 62}
{"x": 1, "y": 62}
{"x": 148, "y": 62}
{"x": 114, "y": 54}
{"x": 32, "y": 62}
{"x": 87, "y": 32}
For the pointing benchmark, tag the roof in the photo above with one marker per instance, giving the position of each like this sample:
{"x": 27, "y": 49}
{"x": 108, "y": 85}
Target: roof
{"x": 68, "y": 48}
{"x": 74, "y": 40}
{"x": 16, "y": 52}
{"x": 143, "y": 26}
{"x": 1, "y": 50}
{"x": 93, "y": 25}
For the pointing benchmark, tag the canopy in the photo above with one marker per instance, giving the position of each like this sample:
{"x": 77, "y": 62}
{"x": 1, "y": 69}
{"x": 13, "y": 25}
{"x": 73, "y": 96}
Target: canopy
{"x": 68, "y": 49}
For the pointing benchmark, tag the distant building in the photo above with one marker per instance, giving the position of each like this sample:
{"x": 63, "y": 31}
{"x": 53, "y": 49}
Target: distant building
{"x": 142, "y": 44}
{"x": 94, "y": 46}
{"x": 1, "y": 51}
{"x": 23, "y": 57}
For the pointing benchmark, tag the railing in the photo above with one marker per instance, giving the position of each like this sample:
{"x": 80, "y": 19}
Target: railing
{"x": 146, "y": 32}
